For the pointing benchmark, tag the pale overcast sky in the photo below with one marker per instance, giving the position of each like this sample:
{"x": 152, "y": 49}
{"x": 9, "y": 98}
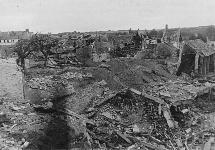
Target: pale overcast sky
{"x": 91, "y": 15}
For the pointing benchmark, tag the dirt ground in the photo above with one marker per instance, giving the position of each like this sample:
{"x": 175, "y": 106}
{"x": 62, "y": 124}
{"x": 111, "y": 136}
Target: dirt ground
{"x": 11, "y": 79}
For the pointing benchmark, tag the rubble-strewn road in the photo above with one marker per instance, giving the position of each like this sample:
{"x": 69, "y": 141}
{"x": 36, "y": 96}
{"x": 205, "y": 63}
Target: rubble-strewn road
{"x": 11, "y": 92}
{"x": 23, "y": 127}
{"x": 19, "y": 124}
{"x": 10, "y": 79}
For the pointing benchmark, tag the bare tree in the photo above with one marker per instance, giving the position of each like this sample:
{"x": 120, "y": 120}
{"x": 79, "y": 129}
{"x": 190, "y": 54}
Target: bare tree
{"x": 23, "y": 50}
{"x": 43, "y": 43}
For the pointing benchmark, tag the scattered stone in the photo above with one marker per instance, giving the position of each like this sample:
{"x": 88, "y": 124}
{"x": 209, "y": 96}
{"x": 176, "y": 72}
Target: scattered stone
{"x": 24, "y": 131}
{"x": 102, "y": 83}
{"x": 111, "y": 116}
{"x": 165, "y": 94}
{"x": 25, "y": 145}
{"x": 49, "y": 104}
{"x": 70, "y": 89}
{"x": 15, "y": 108}
{"x": 136, "y": 128}
{"x": 19, "y": 114}
{"x": 185, "y": 111}
{"x": 90, "y": 109}
{"x": 188, "y": 130}
{"x": 22, "y": 107}
{"x": 32, "y": 114}
{"x": 20, "y": 142}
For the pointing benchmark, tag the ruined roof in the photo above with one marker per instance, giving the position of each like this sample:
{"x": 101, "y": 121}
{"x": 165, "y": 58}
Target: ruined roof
{"x": 200, "y": 47}
{"x": 7, "y": 37}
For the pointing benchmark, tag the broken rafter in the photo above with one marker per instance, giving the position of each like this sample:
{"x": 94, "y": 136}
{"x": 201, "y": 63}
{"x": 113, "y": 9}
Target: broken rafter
{"x": 123, "y": 137}
{"x": 109, "y": 97}
{"x": 156, "y": 99}
{"x": 73, "y": 114}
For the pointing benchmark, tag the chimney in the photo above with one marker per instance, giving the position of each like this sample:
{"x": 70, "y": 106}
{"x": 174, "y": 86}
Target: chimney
{"x": 27, "y": 30}
{"x": 166, "y": 27}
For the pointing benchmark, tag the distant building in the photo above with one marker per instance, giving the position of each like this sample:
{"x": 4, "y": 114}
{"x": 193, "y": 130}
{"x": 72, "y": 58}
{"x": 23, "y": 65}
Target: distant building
{"x": 8, "y": 39}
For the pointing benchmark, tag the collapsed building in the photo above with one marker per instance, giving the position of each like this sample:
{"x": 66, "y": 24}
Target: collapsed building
{"x": 124, "y": 102}
{"x": 193, "y": 57}
{"x": 196, "y": 57}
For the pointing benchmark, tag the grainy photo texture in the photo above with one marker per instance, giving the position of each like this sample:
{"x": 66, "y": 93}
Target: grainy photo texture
{"x": 107, "y": 75}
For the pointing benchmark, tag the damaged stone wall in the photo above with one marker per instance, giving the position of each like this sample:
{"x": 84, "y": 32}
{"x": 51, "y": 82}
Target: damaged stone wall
{"x": 187, "y": 62}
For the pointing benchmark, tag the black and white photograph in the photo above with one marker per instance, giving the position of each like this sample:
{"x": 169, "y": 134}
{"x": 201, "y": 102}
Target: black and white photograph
{"x": 107, "y": 75}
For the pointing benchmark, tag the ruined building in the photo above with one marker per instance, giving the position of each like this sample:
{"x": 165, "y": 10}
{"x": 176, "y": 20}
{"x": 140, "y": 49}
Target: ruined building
{"x": 166, "y": 35}
{"x": 137, "y": 40}
{"x": 197, "y": 57}
{"x": 9, "y": 39}
{"x": 173, "y": 37}
{"x": 176, "y": 39}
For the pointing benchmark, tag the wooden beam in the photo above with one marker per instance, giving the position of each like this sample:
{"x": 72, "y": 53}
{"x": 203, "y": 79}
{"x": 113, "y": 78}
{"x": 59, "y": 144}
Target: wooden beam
{"x": 196, "y": 63}
{"x": 214, "y": 62}
{"x": 201, "y": 64}
{"x": 156, "y": 99}
{"x": 207, "y": 64}
{"x": 204, "y": 66}
{"x": 73, "y": 114}
{"x": 123, "y": 136}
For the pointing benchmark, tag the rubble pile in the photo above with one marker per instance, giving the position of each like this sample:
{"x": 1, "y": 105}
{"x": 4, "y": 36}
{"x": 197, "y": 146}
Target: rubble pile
{"x": 127, "y": 104}
{"x": 54, "y": 86}
{"x": 17, "y": 122}
{"x": 40, "y": 83}
{"x": 88, "y": 96}
{"x": 71, "y": 75}
{"x": 178, "y": 91}
{"x": 132, "y": 121}
{"x": 127, "y": 118}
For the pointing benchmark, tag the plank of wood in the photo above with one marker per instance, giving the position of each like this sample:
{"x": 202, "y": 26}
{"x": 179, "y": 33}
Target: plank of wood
{"x": 146, "y": 144}
{"x": 109, "y": 97}
{"x": 135, "y": 91}
{"x": 73, "y": 114}
{"x": 123, "y": 137}
{"x": 156, "y": 99}
{"x": 104, "y": 100}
